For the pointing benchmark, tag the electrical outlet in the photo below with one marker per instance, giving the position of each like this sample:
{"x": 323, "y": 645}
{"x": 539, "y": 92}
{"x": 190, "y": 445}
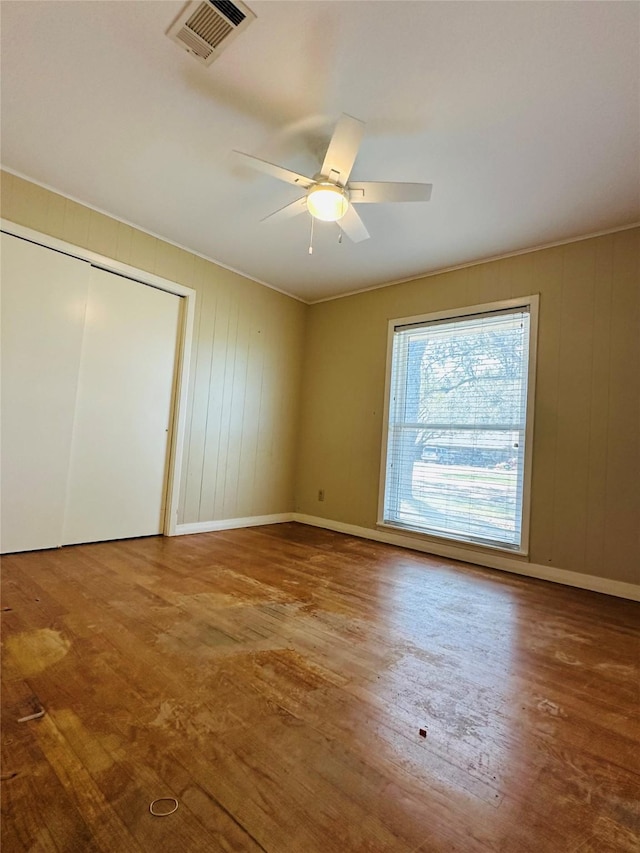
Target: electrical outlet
{"x": 320, "y": 494}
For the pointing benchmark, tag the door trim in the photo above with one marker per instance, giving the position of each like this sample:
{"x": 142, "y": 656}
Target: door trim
{"x": 183, "y": 354}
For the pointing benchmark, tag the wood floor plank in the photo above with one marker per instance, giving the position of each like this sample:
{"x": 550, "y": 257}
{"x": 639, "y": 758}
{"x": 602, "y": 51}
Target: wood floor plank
{"x": 274, "y": 681}
{"x": 38, "y": 811}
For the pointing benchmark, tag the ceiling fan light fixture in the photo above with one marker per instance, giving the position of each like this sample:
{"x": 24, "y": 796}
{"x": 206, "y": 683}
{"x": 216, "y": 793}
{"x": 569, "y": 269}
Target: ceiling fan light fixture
{"x": 327, "y": 201}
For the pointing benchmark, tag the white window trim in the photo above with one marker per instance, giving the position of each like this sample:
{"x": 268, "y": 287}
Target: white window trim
{"x": 179, "y": 419}
{"x": 529, "y": 302}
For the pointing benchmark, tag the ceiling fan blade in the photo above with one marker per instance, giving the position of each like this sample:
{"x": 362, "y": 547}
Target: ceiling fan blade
{"x": 276, "y": 171}
{"x": 375, "y": 192}
{"x": 343, "y": 149}
{"x": 353, "y": 226}
{"x": 288, "y": 211}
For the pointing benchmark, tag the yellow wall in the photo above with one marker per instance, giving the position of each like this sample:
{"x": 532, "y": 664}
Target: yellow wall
{"x": 585, "y": 513}
{"x": 242, "y": 416}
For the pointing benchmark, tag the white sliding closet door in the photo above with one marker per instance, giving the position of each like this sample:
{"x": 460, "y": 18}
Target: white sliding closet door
{"x": 43, "y": 306}
{"x": 120, "y": 446}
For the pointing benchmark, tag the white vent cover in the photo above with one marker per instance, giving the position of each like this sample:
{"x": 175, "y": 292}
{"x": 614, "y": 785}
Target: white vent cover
{"x": 204, "y": 28}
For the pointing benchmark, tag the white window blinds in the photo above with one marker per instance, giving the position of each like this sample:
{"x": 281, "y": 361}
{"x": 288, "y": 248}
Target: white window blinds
{"x": 457, "y": 423}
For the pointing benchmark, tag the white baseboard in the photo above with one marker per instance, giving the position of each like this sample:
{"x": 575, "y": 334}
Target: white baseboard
{"x": 480, "y": 558}
{"x": 231, "y": 523}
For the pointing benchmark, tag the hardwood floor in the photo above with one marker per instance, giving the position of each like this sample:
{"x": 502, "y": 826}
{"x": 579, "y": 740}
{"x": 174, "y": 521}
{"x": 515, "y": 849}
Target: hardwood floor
{"x": 274, "y": 681}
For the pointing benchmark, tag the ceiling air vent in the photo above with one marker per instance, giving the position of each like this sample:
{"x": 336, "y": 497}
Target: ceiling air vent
{"x": 204, "y": 28}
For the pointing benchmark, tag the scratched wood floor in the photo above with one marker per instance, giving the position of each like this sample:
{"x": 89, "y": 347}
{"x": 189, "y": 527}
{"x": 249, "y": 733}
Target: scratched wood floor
{"x": 274, "y": 680}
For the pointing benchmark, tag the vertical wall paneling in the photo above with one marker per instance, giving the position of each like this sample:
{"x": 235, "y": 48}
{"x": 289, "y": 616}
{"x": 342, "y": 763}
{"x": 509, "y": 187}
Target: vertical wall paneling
{"x": 265, "y": 434}
{"x": 251, "y": 413}
{"x": 623, "y": 450}
{"x": 200, "y": 405}
{"x": 548, "y": 278}
{"x": 239, "y": 393}
{"x": 594, "y": 540}
{"x": 574, "y": 405}
{"x": 124, "y": 240}
{"x": 228, "y": 436}
{"x": 220, "y": 346}
{"x": 103, "y": 234}
{"x": 143, "y": 251}
{"x": 75, "y": 228}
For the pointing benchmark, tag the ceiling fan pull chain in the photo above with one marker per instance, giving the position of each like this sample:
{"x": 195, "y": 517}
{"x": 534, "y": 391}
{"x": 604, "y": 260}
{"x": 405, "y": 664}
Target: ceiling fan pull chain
{"x": 311, "y": 238}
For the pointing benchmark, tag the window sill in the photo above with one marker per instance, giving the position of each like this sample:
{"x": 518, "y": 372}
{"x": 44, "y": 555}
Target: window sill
{"x": 444, "y": 542}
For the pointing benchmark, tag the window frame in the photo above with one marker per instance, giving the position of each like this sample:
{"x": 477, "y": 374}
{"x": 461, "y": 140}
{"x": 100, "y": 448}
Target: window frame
{"x": 531, "y": 303}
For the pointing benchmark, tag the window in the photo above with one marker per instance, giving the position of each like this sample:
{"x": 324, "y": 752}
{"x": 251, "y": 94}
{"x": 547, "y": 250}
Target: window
{"x": 459, "y": 424}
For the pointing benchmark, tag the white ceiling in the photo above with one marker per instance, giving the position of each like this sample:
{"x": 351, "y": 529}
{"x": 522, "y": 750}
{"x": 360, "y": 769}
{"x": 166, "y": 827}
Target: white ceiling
{"x": 524, "y": 115}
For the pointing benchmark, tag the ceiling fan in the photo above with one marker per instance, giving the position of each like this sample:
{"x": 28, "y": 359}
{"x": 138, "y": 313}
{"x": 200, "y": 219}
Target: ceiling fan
{"x": 330, "y": 195}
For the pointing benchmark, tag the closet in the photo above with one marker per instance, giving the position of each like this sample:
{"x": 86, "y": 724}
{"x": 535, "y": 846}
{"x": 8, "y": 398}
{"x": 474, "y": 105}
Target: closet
{"x": 88, "y": 379}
